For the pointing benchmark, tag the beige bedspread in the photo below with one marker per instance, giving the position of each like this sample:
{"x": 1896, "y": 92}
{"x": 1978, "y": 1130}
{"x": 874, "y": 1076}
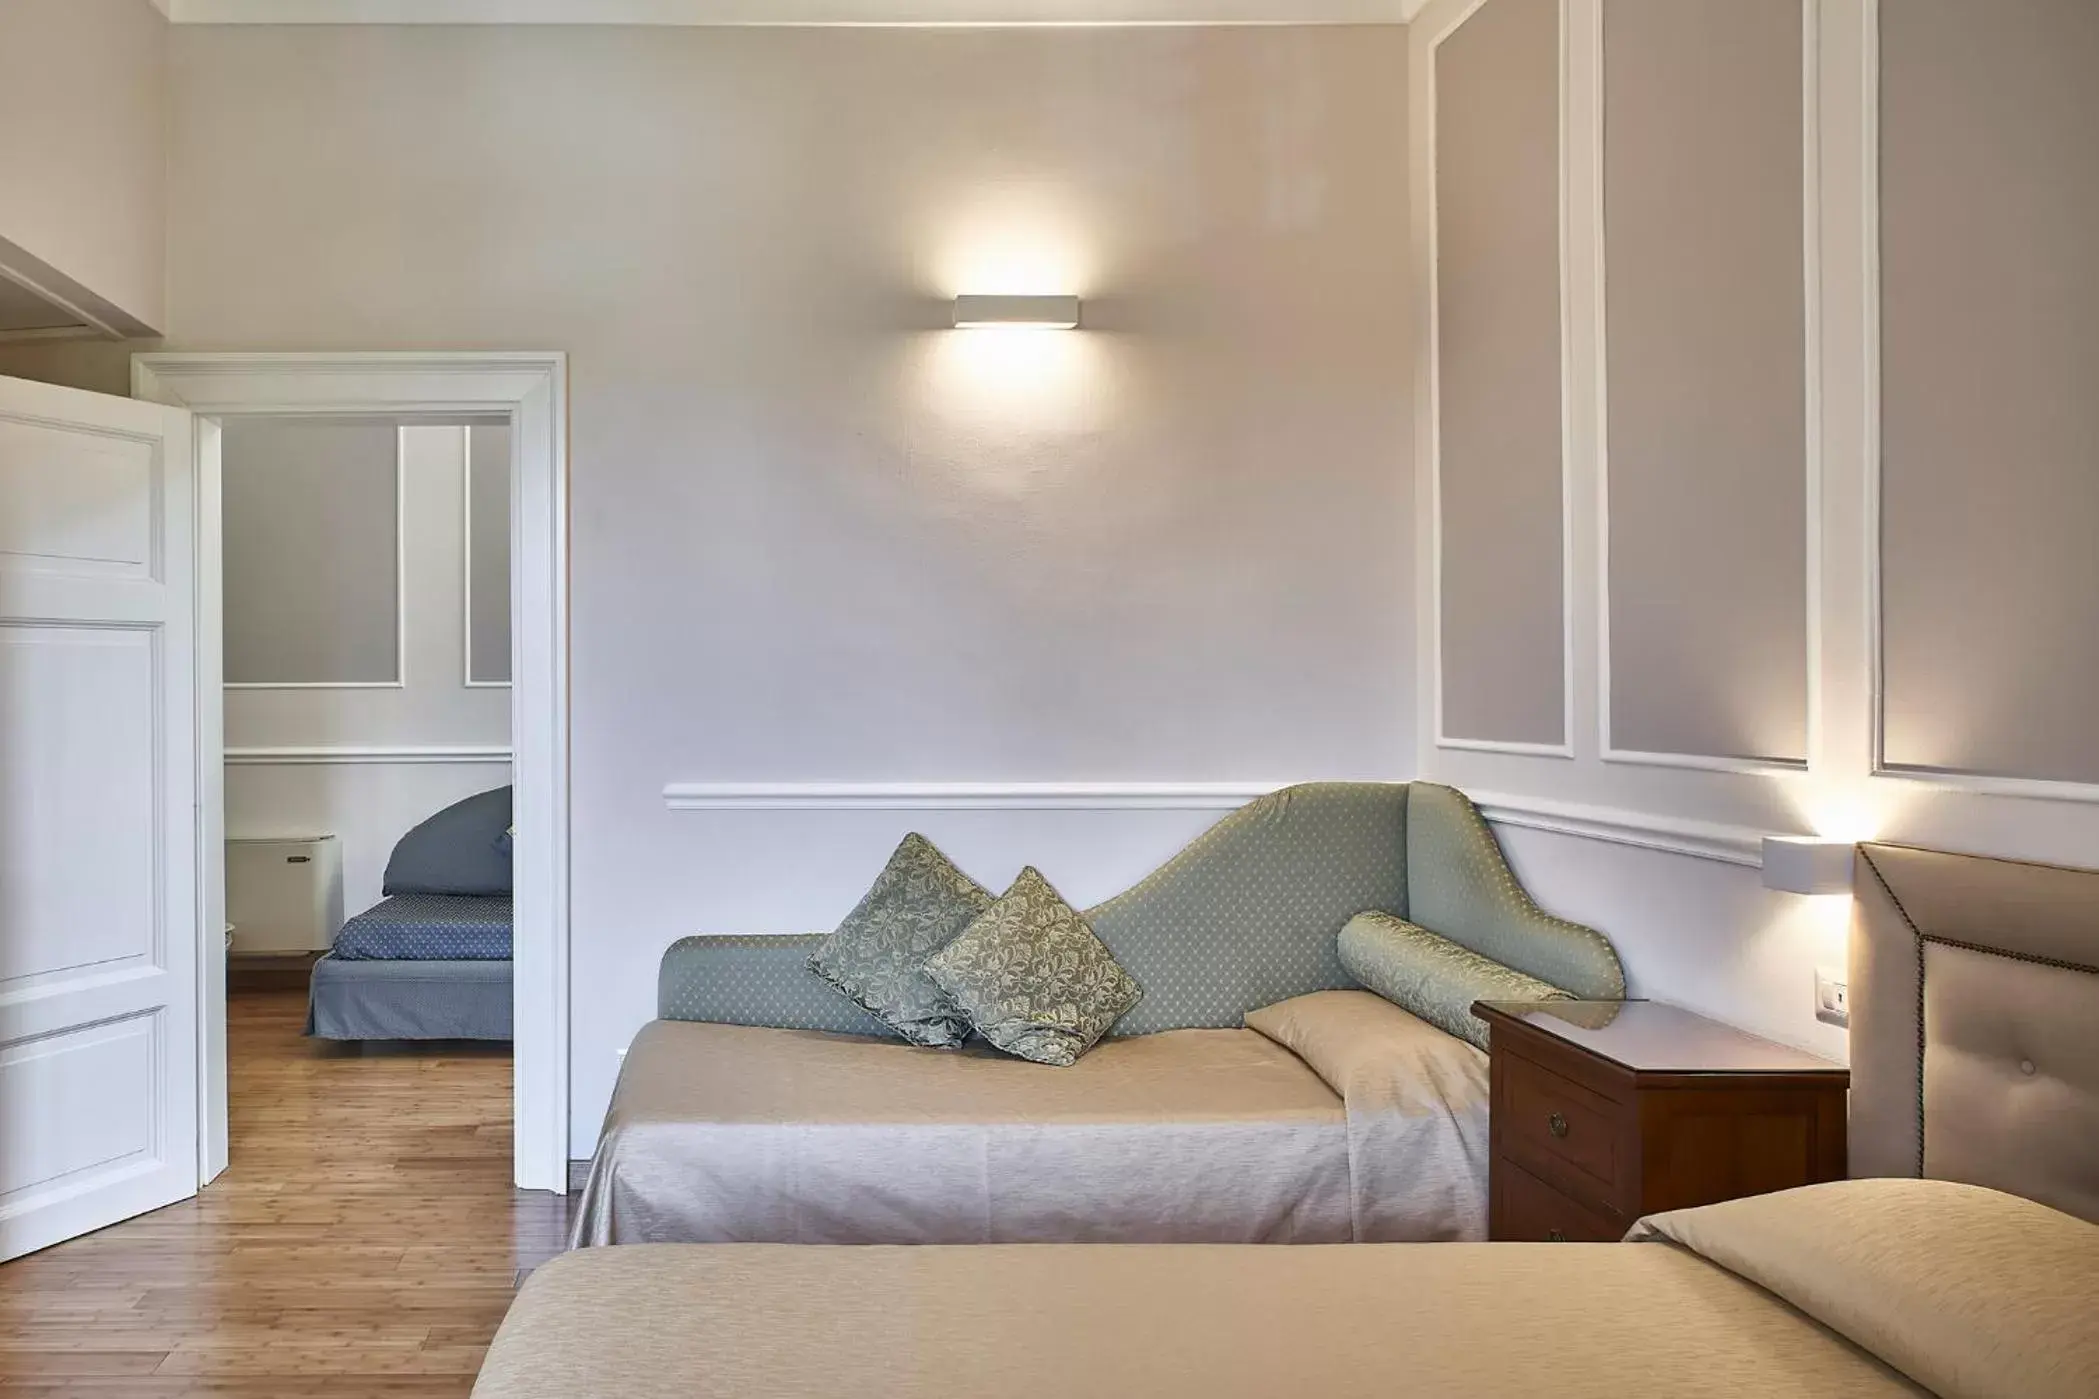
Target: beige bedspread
{"x": 1161, "y": 1322}
{"x": 727, "y": 1133}
{"x": 1857, "y": 1288}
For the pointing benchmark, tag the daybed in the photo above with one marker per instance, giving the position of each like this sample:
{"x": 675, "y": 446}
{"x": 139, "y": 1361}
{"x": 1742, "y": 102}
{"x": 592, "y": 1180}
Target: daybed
{"x": 432, "y": 960}
{"x": 1975, "y": 987}
{"x": 764, "y": 1107}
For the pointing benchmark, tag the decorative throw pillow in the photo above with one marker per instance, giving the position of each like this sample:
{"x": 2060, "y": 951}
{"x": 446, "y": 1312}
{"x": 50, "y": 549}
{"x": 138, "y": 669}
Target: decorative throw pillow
{"x": 1032, "y": 977}
{"x": 918, "y": 905}
{"x": 1432, "y": 976}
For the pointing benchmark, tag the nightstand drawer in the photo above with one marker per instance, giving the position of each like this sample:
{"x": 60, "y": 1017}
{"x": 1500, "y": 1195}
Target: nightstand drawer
{"x": 1556, "y": 1126}
{"x": 1527, "y": 1210}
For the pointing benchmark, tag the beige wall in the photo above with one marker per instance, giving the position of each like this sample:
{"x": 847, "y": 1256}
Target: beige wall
{"x": 815, "y": 535}
{"x": 83, "y": 155}
{"x": 1990, "y": 353}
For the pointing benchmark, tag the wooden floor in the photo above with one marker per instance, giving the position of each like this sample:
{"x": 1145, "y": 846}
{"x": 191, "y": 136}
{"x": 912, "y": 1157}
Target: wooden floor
{"x": 364, "y": 1241}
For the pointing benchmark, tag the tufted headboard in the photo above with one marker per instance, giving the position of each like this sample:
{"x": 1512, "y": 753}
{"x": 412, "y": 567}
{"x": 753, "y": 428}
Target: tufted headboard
{"x": 1975, "y": 1024}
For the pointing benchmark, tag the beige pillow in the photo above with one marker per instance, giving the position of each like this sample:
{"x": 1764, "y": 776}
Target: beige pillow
{"x": 1032, "y": 978}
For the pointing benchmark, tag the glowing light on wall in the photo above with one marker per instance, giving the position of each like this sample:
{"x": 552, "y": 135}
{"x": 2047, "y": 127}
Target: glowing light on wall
{"x": 996, "y": 312}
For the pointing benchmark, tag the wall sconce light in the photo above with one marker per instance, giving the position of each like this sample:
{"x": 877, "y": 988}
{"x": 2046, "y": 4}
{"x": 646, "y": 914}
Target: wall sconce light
{"x": 1807, "y": 864}
{"x": 1026, "y": 312}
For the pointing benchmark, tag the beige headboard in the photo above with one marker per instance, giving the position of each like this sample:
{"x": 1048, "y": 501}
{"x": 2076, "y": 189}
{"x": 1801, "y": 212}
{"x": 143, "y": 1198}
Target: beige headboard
{"x": 1975, "y": 1024}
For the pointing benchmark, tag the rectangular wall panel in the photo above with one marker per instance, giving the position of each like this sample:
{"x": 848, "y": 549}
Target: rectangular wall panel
{"x": 488, "y": 555}
{"x": 312, "y": 530}
{"x": 1989, "y": 159}
{"x": 1706, "y": 448}
{"x": 1498, "y": 375}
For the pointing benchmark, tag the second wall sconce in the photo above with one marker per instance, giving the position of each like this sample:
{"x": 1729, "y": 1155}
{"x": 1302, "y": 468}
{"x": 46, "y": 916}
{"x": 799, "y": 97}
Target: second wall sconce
{"x": 1807, "y": 865}
{"x": 1023, "y": 312}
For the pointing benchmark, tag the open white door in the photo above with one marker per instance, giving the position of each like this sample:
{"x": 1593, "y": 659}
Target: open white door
{"x": 98, "y": 812}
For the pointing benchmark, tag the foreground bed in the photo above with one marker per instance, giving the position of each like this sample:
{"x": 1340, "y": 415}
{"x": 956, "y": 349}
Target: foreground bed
{"x": 1975, "y": 986}
{"x": 1858, "y": 1288}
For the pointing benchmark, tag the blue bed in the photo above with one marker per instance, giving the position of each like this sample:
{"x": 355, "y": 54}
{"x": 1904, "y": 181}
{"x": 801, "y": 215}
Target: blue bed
{"x": 427, "y": 928}
{"x": 432, "y": 960}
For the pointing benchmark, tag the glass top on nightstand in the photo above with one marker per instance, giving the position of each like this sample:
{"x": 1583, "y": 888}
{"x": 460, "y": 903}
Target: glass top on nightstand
{"x": 1656, "y": 1037}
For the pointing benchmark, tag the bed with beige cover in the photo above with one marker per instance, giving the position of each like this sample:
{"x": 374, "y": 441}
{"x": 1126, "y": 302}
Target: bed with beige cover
{"x": 1964, "y": 1263}
{"x": 762, "y": 1107}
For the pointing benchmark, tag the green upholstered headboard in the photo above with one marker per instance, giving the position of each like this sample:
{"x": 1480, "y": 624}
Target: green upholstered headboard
{"x": 1245, "y": 916}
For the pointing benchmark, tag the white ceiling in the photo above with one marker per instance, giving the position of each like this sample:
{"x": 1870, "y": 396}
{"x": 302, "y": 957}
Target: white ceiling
{"x": 791, "y": 12}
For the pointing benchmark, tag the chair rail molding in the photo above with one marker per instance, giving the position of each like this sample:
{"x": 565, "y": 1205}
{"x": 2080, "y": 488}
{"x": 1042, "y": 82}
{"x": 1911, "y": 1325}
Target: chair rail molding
{"x": 966, "y": 796}
{"x": 1704, "y": 840}
{"x": 378, "y": 754}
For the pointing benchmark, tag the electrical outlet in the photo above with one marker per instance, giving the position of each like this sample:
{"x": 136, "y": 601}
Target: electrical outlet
{"x": 1832, "y": 998}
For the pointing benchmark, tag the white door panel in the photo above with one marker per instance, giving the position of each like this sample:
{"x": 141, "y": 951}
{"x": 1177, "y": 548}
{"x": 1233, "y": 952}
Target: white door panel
{"x": 98, "y": 821}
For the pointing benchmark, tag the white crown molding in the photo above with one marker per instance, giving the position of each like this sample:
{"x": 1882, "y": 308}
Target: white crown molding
{"x": 797, "y": 13}
{"x": 340, "y": 754}
{"x": 963, "y": 796}
{"x": 1704, "y": 840}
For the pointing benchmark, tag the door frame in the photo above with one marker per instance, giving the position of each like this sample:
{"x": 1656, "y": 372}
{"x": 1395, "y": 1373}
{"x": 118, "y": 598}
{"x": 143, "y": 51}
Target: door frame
{"x": 531, "y": 390}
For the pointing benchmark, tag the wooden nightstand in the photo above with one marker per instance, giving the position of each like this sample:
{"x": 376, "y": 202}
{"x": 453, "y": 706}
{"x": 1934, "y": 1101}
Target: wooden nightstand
{"x": 1607, "y": 1110}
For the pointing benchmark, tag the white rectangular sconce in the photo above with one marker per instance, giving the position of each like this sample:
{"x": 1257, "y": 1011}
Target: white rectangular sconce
{"x": 1807, "y": 865}
{"x": 1027, "y": 312}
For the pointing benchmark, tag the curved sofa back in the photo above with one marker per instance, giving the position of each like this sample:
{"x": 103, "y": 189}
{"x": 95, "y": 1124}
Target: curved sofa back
{"x": 1247, "y": 915}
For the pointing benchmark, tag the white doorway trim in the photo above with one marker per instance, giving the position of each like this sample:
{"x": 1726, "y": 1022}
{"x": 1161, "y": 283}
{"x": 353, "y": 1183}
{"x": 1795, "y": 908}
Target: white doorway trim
{"x": 531, "y": 390}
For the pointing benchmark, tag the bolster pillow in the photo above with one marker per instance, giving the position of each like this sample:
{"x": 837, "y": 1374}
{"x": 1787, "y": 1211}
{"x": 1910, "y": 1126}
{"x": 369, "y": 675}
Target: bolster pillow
{"x": 1433, "y": 977}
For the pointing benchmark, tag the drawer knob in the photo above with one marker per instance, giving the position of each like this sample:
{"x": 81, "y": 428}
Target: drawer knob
{"x": 1556, "y": 1236}
{"x": 1557, "y": 1124}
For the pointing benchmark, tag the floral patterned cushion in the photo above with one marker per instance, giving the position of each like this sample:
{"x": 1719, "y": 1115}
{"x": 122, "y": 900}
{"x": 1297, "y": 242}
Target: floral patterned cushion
{"x": 918, "y": 905}
{"x": 1032, "y": 977}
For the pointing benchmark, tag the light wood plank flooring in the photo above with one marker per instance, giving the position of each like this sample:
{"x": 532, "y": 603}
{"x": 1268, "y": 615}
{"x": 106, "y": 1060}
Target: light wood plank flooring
{"x": 364, "y": 1241}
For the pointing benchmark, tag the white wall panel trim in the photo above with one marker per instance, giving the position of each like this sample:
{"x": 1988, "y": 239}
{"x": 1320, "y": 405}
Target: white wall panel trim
{"x": 1977, "y": 783}
{"x": 1564, "y": 749}
{"x": 466, "y": 555}
{"x": 1704, "y": 840}
{"x": 1599, "y": 378}
{"x": 341, "y": 754}
{"x": 964, "y": 796}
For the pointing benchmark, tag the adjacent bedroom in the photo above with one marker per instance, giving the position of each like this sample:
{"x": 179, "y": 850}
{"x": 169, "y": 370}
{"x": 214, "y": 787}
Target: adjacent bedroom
{"x": 366, "y": 654}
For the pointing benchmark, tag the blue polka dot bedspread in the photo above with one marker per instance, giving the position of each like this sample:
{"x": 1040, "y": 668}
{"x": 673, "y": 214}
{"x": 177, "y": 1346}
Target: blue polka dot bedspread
{"x": 428, "y": 928}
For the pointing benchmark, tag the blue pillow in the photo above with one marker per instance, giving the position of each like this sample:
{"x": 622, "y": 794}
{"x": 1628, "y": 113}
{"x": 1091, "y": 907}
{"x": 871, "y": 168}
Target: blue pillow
{"x": 455, "y": 851}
